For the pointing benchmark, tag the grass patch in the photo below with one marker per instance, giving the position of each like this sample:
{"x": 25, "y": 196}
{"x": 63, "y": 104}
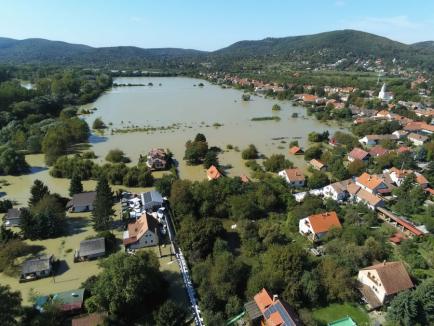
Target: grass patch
{"x": 337, "y": 311}
{"x": 265, "y": 119}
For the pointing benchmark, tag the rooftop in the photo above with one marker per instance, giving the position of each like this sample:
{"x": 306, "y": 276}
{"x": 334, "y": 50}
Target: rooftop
{"x": 92, "y": 246}
{"x": 323, "y": 222}
{"x": 347, "y": 321}
{"x": 213, "y": 173}
{"x": 83, "y": 199}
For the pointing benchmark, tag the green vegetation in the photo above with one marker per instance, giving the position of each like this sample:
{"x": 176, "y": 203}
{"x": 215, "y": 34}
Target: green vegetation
{"x": 337, "y": 311}
{"x": 274, "y": 118}
{"x": 276, "y": 163}
{"x": 103, "y": 212}
{"x": 250, "y": 153}
{"x": 117, "y": 156}
{"x": 98, "y": 124}
{"x": 276, "y": 107}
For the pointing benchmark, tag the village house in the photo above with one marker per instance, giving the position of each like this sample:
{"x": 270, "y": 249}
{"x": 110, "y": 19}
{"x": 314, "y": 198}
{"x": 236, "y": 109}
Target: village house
{"x": 37, "y": 267}
{"x": 157, "y": 159}
{"x": 142, "y": 233}
{"x": 371, "y": 140}
{"x": 398, "y": 176}
{"x": 381, "y": 282}
{"x": 378, "y": 151}
{"x": 400, "y": 134}
{"x": 151, "y": 201}
{"x": 318, "y": 165}
{"x": 337, "y": 191}
{"x": 372, "y": 184}
{"x": 316, "y": 226}
{"x": 294, "y": 177}
{"x": 360, "y": 195}
{"x": 213, "y": 173}
{"x": 419, "y": 127}
{"x": 82, "y": 202}
{"x": 12, "y": 217}
{"x": 383, "y": 114}
{"x": 295, "y": 150}
{"x": 267, "y": 310}
{"x": 358, "y": 154}
{"x": 90, "y": 249}
{"x": 416, "y": 139}
{"x": 69, "y": 302}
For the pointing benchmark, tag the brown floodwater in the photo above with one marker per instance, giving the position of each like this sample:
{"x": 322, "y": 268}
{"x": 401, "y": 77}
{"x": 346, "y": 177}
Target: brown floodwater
{"x": 192, "y": 109}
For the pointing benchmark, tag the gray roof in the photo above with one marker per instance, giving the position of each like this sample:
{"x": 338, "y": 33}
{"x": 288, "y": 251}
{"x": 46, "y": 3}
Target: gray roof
{"x": 92, "y": 247}
{"x": 13, "y": 213}
{"x": 151, "y": 198}
{"x": 82, "y": 199}
{"x": 38, "y": 264}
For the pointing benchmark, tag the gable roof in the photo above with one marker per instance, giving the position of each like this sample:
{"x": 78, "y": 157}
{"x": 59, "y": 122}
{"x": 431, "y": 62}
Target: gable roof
{"x": 358, "y": 154}
{"x": 92, "y": 247}
{"x": 137, "y": 229}
{"x": 263, "y": 300}
{"x": 213, "y": 173}
{"x": 393, "y": 276}
{"x": 369, "y": 181}
{"x": 317, "y": 164}
{"x": 323, "y": 222}
{"x": 38, "y": 264}
{"x": 82, "y": 199}
{"x": 295, "y": 150}
{"x": 367, "y": 197}
{"x": 151, "y": 198}
{"x": 294, "y": 174}
{"x": 417, "y": 137}
{"x": 13, "y": 213}
{"x": 378, "y": 150}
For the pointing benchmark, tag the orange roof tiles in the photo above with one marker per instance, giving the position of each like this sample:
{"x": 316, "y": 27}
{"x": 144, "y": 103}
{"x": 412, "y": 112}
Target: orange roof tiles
{"x": 294, "y": 174}
{"x": 295, "y": 150}
{"x": 263, "y": 300}
{"x": 323, "y": 222}
{"x": 137, "y": 229}
{"x": 369, "y": 181}
{"x": 358, "y": 154}
{"x": 213, "y": 173}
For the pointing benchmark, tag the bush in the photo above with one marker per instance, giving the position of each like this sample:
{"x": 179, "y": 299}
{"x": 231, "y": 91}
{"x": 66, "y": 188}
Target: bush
{"x": 276, "y": 163}
{"x": 250, "y": 153}
{"x": 117, "y": 156}
{"x": 98, "y": 124}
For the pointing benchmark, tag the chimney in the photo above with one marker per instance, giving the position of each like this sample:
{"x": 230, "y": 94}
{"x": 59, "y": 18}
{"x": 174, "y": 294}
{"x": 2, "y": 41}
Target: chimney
{"x": 275, "y": 297}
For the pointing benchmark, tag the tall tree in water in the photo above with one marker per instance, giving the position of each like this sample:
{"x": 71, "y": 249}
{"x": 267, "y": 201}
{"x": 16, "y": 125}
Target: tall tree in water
{"x": 38, "y": 191}
{"x": 102, "y": 212}
{"x": 75, "y": 186}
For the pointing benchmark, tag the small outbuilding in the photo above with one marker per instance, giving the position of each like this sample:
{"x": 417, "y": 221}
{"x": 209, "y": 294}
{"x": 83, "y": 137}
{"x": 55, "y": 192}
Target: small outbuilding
{"x": 82, "y": 202}
{"x": 37, "y": 267}
{"x": 90, "y": 249}
{"x": 13, "y": 217}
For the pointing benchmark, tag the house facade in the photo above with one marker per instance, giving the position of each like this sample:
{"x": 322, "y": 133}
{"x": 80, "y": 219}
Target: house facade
{"x": 37, "y": 267}
{"x": 371, "y": 183}
{"x": 90, "y": 249}
{"x": 379, "y": 283}
{"x": 142, "y": 233}
{"x": 157, "y": 159}
{"x": 316, "y": 226}
{"x": 294, "y": 177}
{"x": 12, "y": 217}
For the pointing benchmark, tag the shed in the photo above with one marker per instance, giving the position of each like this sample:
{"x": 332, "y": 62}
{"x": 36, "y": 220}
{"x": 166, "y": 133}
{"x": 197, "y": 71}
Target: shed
{"x": 91, "y": 249}
{"x": 38, "y": 267}
{"x": 13, "y": 217}
{"x": 82, "y": 202}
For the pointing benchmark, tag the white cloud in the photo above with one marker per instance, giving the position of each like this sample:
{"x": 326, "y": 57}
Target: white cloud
{"x": 399, "y": 28}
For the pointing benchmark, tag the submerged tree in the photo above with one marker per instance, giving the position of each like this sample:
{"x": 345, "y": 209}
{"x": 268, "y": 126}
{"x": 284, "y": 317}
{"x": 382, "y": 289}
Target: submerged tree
{"x": 38, "y": 191}
{"x": 102, "y": 212}
{"x": 75, "y": 186}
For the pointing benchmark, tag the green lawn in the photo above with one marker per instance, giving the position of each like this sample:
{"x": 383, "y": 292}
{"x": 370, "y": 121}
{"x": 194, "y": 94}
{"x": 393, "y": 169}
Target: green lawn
{"x": 337, "y": 311}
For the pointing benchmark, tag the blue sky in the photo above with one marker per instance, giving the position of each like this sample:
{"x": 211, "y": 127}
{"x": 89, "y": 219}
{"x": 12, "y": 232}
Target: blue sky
{"x": 206, "y": 24}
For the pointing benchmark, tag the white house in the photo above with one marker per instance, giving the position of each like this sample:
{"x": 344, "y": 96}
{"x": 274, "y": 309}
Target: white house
{"x": 316, "y": 226}
{"x": 142, "y": 233}
{"x": 379, "y": 283}
{"x": 417, "y": 140}
{"x": 336, "y": 191}
{"x": 294, "y": 177}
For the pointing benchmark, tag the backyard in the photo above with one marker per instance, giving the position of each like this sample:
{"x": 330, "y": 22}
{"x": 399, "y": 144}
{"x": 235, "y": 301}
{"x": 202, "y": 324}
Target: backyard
{"x": 337, "y": 311}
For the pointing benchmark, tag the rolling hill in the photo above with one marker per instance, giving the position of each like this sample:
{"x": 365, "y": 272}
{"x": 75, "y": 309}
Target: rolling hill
{"x": 326, "y": 47}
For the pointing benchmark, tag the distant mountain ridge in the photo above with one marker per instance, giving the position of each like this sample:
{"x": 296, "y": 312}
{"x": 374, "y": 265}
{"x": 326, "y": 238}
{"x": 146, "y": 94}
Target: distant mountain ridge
{"x": 320, "y": 48}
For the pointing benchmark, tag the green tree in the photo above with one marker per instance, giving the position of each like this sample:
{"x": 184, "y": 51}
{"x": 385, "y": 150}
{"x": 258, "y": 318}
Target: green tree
{"x": 276, "y": 163}
{"x": 75, "y": 186}
{"x": 98, "y": 124}
{"x": 210, "y": 159}
{"x": 276, "y": 107}
{"x": 54, "y": 145}
{"x": 403, "y": 309}
{"x": 129, "y": 286}
{"x": 170, "y": 314}
{"x": 117, "y": 156}
{"x": 10, "y": 306}
{"x": 102, "y": 213}
{"x": 250, "y": 153}
{"x": 12, "y": 162}
{"x": 313, "y": 152}
{"x": 317, "y": 180}
{"x": 37, "y": 192}
{"x": 356, "y": 167}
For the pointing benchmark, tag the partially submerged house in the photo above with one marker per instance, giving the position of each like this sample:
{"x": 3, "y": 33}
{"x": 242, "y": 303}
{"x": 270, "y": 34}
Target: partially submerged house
{"x": 294, "y": 177}
{"x": 316, "y": 226}
{"x": 37, "y": 267}
{"x": 267, "y": 310}
{"x": 157, "y": 159}
{"x": 142, "y": 233}
{"x": 12, "y": 217}
{"x": 295, "y": 150}
{"x": 381, "y": 282}
{"x": 69, "y": 302}
{"x": 90, "y": 249}
{"x": 152, "y": 200}
{"x": 82, "y": 202}
{"x": 318, "y": 165}
{"x": 213, "y": 173}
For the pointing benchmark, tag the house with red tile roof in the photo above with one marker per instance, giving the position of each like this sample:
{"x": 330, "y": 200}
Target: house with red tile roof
{"x": 418, "y": 126}
{"x": 213, "y": 173}
{"x": 142, "y": 233}
{"x": 267, "y": 310}
{"x": 318, "y": 165}
{"x": 294, "y": 177}
{"x": 316, "y": 226}
{"x": 381, "y": 282}
{"x": 372, "y": 183}
{"x": 295, "y": 150}
{"x": 378, "y": 151}
{"x": 358, "y": 154}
